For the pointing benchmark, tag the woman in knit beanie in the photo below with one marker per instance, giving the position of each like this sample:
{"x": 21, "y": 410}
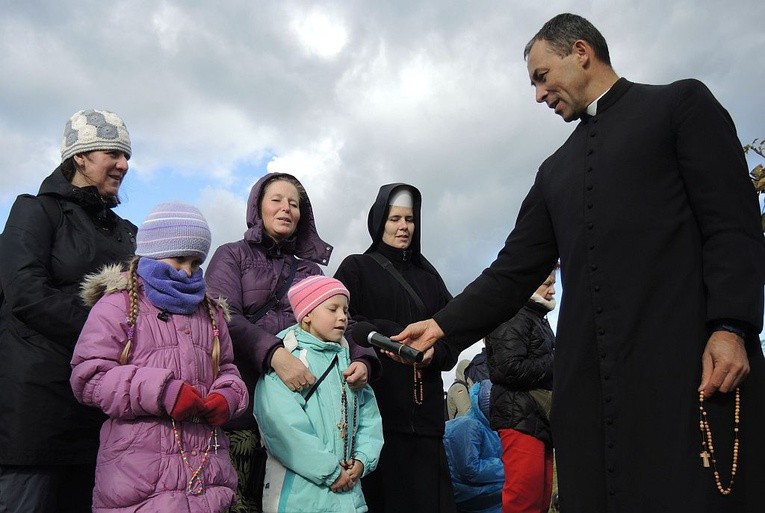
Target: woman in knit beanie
{"x": 48, "y": 441}
{"x": 165, "y": 376}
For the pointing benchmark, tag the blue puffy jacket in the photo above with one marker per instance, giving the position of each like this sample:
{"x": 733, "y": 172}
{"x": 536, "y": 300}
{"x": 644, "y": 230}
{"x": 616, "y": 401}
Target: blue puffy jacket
{"x": 475, "y": 459}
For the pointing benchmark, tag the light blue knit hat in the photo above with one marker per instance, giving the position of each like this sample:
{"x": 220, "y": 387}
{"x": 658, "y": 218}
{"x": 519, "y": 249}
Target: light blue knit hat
{"x": 174, "y": 229}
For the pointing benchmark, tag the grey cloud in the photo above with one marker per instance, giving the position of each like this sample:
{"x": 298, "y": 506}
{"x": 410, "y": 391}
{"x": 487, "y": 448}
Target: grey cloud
{"x": 207, "y": 87}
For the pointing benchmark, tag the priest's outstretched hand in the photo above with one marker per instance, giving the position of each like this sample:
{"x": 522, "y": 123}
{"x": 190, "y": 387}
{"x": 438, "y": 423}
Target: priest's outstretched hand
{"x": 420, "y": 335}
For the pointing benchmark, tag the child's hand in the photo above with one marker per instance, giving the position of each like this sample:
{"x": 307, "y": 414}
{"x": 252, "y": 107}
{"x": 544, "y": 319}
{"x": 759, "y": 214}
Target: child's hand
{"x": 356, "y": 375}
{"x": 215, "y": 409}
{"x": 343, "y": 483}
{"x": 187, "y": 404}
{"x": 355, "y": 469}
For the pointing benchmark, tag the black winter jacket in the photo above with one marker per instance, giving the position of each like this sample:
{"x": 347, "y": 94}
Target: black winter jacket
{"x": 520, "y": 356}
{"x": 48, "y": 245}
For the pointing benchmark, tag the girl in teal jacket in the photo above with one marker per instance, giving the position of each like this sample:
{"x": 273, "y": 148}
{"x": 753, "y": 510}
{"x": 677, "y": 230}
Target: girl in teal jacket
{"x": 324, "y": 437}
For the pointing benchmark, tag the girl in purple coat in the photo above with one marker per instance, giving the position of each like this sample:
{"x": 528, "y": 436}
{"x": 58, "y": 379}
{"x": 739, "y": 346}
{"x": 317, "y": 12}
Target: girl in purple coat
{"x": 155, "y": 355}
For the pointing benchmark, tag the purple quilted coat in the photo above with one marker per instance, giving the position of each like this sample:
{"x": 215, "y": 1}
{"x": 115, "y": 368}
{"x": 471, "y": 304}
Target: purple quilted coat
{"x": 139, "y": 464}
{"x": 248, "y": 272}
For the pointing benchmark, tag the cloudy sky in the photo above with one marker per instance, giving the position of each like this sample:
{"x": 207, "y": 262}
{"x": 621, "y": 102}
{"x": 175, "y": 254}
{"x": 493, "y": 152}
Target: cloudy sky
{"x": 346, "y": 95}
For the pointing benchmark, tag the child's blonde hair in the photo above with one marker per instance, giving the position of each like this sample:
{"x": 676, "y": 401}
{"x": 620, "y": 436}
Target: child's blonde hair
{"x": 132, "y": 288}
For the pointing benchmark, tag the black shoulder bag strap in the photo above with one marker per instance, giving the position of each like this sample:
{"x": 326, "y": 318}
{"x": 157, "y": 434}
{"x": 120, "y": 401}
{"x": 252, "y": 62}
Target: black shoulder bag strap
{"x": 321, "y": 378}
{"x": 277, "y": 295}
{"x": 388, "y": 266}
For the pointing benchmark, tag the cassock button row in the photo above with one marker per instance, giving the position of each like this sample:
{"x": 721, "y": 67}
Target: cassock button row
{"x": 606, "y": 377}
{"x": 589, "y": 187}
{"x": 594, "y": 267}
{"x": 593, "y": 134}
{"x": 590, "y": 226}
{"x": 597, "y": 288}
{"x": 599, "y": 309}
{"x": 608, "y": 400}
{"x": 601, "y": 331}
{"x": 609, "y": 422}
{"x": 589, "y": 206}
{"x": 602, "y": 355}
{"x": 590, "y": 151}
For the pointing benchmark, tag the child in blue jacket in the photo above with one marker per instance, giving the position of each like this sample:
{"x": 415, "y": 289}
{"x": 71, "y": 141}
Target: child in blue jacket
{"x": 322, "y": 438}
{"x": 474, "y": 452}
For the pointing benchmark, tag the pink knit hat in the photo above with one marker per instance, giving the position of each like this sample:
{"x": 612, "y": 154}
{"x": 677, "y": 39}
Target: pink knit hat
{"x": 307, "y": 294}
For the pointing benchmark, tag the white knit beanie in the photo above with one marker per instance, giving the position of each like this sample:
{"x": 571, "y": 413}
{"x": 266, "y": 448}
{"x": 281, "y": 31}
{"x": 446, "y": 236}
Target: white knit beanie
{"x": 89, "y": 130}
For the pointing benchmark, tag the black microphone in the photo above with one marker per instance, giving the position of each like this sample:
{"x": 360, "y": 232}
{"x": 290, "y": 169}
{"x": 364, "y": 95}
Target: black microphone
{"x": 364, "y": 334}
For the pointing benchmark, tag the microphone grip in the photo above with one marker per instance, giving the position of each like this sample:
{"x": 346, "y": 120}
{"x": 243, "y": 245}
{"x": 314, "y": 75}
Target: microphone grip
{"x": 410, "y": 354}
{"x": 400, "y": 349}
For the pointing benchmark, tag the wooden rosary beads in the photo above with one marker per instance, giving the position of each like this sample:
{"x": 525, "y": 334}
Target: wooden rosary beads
{"x": 708, "y": 447}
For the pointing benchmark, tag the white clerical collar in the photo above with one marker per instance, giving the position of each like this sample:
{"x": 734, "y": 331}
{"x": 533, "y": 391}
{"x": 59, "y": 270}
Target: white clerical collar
{"x": 592, "y": 108}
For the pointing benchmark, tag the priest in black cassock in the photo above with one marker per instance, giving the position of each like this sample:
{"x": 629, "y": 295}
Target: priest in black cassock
{"x": 656, "y": 223}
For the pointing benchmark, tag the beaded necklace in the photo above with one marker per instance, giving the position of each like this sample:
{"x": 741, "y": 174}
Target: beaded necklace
{"x": 348, "y": 456}
{"x": 417, "y": 386}
{"x": 709, "y": 449}
{"x": 195, "y": 485}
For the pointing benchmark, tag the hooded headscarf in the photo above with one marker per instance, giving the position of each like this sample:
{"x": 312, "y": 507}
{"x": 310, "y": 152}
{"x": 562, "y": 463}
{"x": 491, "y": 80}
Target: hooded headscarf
{"x": 305, "y": 243}
{"x": 378, "y": 214}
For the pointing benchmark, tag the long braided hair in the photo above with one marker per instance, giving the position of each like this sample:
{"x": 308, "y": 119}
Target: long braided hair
{"x": 132, "y": 288}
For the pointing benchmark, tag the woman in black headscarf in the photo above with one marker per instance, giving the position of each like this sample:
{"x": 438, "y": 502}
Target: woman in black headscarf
{"x": 392, "y": 284}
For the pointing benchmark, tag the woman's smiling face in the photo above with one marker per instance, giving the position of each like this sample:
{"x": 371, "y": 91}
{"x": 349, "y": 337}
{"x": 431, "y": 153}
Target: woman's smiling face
{"x": 104, "y": 169}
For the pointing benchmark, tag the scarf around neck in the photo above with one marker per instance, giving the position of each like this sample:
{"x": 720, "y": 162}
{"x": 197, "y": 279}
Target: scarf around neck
{"x": 170, "y": 289}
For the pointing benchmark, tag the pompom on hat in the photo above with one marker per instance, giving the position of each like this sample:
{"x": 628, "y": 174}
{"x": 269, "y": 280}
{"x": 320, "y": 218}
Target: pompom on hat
{"x": 91, "y": 129}
{"x": 174, "y": 229}
{"x": 309, "y": 293}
